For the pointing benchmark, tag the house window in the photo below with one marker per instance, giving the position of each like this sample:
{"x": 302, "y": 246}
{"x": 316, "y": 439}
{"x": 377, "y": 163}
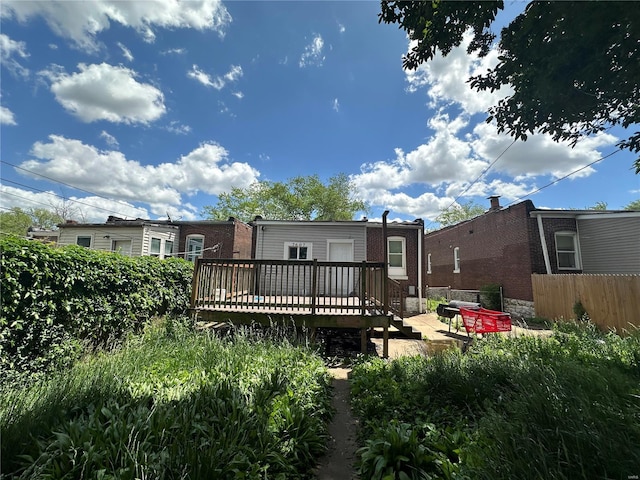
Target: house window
{"x": 567, "y": 251}
{"x": 397, "y": 257}
{"x": 168, "y": 248}
{"x": 297, "y": 251}
{"x": 154, "y": 250}
{"x": 195, "y": 245}
{"x": 456, "y": 260}
{"x": 429, "y": 263}
{"x": 83, "y": 241}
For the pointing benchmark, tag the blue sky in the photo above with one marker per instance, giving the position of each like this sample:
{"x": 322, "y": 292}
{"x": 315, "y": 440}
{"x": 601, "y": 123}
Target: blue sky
{"x": 140, "y": 109}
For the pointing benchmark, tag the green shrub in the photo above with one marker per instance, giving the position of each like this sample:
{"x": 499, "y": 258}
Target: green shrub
{"x": 491, "y": 296}
{"x": 56, "y": 301}
{"x": 562, "y": 407}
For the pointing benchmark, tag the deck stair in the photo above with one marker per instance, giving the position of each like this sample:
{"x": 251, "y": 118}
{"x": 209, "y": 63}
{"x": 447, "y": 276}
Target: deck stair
{"x": 407, "y": 330}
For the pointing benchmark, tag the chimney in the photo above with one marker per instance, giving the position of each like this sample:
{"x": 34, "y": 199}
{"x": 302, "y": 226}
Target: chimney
{"x": 495, "y": 203}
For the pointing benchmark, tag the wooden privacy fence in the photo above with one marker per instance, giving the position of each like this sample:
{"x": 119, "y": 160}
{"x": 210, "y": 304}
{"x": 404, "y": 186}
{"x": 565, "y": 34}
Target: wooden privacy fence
{"x": 612, "y": 301}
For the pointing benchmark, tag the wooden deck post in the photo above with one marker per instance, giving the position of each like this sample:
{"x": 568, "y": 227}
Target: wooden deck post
{"x": 385, "y": 342}
{"x": 314, "y": 286}
{"x": 363, "y": 341}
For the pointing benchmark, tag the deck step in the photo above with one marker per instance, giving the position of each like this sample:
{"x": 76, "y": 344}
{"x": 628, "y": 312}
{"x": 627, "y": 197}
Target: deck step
{"x": 407, "y": 330}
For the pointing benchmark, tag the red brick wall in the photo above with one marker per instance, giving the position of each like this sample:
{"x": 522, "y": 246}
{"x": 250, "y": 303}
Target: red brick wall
{"x": 243, "y": 240}
{"x": 494, "y": 248}
{"x": 550, "y": 227}
{"x": 223, "y": 233}
{"x": 375, "y": 250}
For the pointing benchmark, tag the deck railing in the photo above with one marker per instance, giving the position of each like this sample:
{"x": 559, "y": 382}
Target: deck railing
{"x": 311, "y": 287}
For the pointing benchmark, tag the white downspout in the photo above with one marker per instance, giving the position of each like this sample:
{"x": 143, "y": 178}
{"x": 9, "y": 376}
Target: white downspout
{"x": 545, "y": 251}
{"x": 420, "y": 242}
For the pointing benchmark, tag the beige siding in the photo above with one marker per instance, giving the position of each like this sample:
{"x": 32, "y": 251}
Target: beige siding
{"x": 271, "y": 239}
{"x": 164, "y": 233}
{"x": 610, "y": 244}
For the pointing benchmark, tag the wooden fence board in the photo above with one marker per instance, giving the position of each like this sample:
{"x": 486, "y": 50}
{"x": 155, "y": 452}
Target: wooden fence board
{"x": 612, "y": 301}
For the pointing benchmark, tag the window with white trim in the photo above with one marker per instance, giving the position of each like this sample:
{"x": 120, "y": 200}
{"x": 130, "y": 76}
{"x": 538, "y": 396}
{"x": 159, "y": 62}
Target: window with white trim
{"x": 397, "y": 256}
{"x": 194, "y": 247}
{"x": 567, "y": 251}
{"x": 154, "y": 248}
{"x": 428, "y": 263}
{"x": 456, "y": 260}
{"x": 168, "y": 248}
{"x": 83, "y": 241}
{"x": 297, "y": 251}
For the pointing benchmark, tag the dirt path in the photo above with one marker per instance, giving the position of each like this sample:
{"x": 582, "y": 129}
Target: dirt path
{"x": 338, "y": 463}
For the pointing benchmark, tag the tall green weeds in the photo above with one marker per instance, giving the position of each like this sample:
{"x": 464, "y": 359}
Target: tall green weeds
{"x": 564, "y": 407}
{"x": 172, "y": 404}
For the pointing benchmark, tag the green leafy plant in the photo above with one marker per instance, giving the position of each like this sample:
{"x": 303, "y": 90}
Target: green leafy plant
{"x": 58, "y": 301}
{"x": 491, "y": 296}
{"x": 172, "y": 403}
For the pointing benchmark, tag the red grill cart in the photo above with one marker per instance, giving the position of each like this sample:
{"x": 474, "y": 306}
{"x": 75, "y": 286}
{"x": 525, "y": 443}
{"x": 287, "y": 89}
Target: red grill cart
{"x": 482, "y": 320}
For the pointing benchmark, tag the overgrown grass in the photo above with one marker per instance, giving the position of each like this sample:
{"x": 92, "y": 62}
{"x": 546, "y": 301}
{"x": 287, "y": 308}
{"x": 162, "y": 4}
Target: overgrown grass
{"x": 564, "y": 407}
{"x": 172, "y": 404}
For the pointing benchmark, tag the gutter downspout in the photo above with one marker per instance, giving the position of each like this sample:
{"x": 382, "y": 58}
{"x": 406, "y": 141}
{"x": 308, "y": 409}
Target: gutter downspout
{"x": 545, "y": 250}
{"x": 420, "y": 266}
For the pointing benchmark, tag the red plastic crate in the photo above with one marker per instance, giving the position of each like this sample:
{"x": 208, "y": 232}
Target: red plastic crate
{"x": 483, "y": 320}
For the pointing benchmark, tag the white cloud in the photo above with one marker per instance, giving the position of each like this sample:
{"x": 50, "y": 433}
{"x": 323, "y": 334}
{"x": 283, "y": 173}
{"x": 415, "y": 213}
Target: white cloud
{"x": 341, "y": 28}
{"x": 178, "y": 128}
{"x": 335, "y": 105}
{"x": 6, "y": 117}
{"x": 463, "y": 159}
{"x": 238, "y": 95}
{"x": 9, "y": 49}
{"x": 109, "y": 173}
{"x": 217, "y": 82}
{"x": 312, "y": 55}
{"x": 89, "y": 209}
{"x": 81, "y": 22}
{"x": 106, "y": 92}
{"x": 446, "y": 79}
{"x": 234, "y": 74}
{"x": 174, "y": 51}
{"x": 110, "y": 139}
{"x": 126, "y": 53}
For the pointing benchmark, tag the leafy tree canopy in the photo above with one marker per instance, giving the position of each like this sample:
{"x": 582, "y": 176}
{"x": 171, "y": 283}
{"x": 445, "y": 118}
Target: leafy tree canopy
{"x": 635, "y": 205}
{"x": 300, "y": 198}
{"x": 573, "y": 66}
{"x": 17, "y": 221}
{"x": 459, "y": 213}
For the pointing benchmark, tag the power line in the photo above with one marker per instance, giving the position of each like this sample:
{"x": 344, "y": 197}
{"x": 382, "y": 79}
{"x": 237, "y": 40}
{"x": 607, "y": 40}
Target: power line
{"x": 56, "y": 195}
{"x": 474, "y": 181}
{"x": 563, "y": 178}
{"x": 65, "y": 184}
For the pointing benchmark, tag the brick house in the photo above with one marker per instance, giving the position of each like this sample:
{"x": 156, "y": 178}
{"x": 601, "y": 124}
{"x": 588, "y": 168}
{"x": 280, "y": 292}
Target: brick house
{"x": 162, "y": 238}
{"x": 406, "y": 268}
{"x": 506, "y": 245}
{"x": 214, "y": 239}
{"x": 347, "y": 241}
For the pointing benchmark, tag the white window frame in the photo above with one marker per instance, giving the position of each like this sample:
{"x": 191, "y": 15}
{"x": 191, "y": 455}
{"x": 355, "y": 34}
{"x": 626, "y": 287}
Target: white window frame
{"x": 456, "y": 260}
{"x": 78, "y": 237}
{"x": 396, "y": 272}
{"x": 188, "y": 254}
{"x": 298, "y": 246}
{"x": 167, "y": 254}
{"x": 157, "y": 253}
{"x": 428, "y": 263}
{"x": 575, "y": 251}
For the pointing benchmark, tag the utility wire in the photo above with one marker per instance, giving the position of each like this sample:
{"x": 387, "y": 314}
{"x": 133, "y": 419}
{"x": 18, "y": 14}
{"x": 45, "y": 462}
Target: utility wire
{"x": 474, "y": 181}
{"x": 63, "y": 183}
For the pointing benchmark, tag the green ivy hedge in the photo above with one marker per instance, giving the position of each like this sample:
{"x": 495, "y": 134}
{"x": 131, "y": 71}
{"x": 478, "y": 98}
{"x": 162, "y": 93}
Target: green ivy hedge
{"x": 56, "y": 300}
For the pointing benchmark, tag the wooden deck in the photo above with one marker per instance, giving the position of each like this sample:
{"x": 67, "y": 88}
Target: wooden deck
{"x": 304, "y": 294}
